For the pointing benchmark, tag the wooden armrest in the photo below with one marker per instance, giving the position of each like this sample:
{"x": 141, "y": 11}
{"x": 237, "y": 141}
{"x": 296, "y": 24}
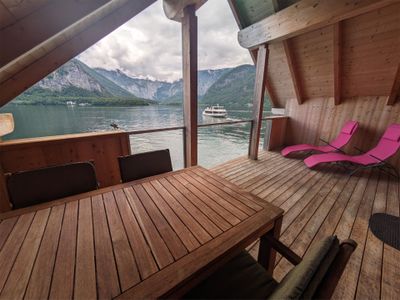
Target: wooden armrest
{"x": 284, "y": 250}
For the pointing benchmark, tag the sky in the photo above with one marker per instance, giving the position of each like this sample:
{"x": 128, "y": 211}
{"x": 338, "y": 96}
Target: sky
{"x": 149, "y": 45}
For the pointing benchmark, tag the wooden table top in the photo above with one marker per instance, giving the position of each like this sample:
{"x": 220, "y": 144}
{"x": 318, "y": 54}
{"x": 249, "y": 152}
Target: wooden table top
{"x": 139, "y": 240}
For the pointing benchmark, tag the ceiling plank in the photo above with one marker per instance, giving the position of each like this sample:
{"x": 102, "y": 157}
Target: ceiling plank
{"x": 303, "y": 17}
{"x": 41, "y": 61}
{"x": 37, "y": 27}
{"x": 337, "y": 62}
{"x": 293, "y": 71}
{"x": 395, "y": 91}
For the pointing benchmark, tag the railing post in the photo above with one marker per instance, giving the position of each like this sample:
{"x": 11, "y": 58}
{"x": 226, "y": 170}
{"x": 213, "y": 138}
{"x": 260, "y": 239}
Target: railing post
{"x": 258, "y": 100}
{"x": 189, "y": 53}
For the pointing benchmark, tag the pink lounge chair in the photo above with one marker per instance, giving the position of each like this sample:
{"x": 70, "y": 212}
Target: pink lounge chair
{"x": 388, "y": 146}
{"x": 342, "y": 139}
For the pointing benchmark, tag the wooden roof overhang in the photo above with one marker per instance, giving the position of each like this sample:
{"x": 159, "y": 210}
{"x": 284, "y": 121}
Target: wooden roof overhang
{"x": 37, "y": 37}
{"x": 311, "y": 47}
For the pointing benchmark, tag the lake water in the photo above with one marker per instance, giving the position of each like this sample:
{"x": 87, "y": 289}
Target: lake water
{"x": 216, "y": 144}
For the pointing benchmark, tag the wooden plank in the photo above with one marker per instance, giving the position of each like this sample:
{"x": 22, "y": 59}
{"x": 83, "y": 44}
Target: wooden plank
{"x": 128, "y": 273}
{"x": 218, "y": 221}
{"x": 189, "y": 56}
{"x": 305, "y": 16}
{"x": 170, "y": 237}
{"x": 18, "y": 278}
{"x": 64, "y": 14}
{"x": 293, "y": 71}
{"x": 142, "y": 252}
{"x": 395, "y": 91}
{"x": 42, "y": 273}
{"x": 85, "y": 271}
{"x": 337, "y": 61}
{"x": 190, "y": 222}
{"x": 184, "y": 234}
{"x": 12, "y": 246}
{"x": 225, "y": 247}
{"x": 212, "y": 203}
{"x": 258, "y": 100}
{"x": 6, "y": 226}
{"x": 106, "y": 271}
{"x": 160, "y": 250}
{"x": 62, "y": 285}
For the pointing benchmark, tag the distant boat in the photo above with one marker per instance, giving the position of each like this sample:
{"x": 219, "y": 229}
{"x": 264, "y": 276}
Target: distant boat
{"x": 215, "y": 111}
{"x": 71, "y": 103}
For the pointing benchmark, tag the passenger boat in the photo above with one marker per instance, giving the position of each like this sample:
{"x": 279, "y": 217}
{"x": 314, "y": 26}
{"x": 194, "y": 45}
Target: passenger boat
{"x": 215, "y": 111}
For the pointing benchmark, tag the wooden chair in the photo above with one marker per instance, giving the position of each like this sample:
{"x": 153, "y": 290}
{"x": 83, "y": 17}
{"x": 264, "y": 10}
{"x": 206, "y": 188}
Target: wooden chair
{"x": 137, "y": 166}
{"x": 37, "y": 186}
{"x": 313, "y": 277}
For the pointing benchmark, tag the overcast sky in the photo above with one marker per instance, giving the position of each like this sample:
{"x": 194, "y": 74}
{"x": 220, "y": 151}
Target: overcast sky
{"x": 149, "y": 45}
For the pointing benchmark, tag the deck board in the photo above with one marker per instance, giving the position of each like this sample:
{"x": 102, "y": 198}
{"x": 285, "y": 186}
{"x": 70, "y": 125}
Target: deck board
{"x": 322, "y": 202}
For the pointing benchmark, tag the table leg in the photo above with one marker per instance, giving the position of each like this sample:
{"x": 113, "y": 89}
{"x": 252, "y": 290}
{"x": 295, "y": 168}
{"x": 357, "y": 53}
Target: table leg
{"x": 266, "y": 254}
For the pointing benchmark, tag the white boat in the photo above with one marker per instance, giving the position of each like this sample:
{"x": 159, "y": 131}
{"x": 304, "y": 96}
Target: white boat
{"x": 215, "y": 111}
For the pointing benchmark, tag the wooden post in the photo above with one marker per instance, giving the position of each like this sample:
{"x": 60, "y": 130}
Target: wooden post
{"x": 4, "y": 199}
{"x": 337, "y": 62}
{"x": 258, "y": 100}
{"x": 293, "y": 71}
{"x": 395, "y": 90}
{"x": 189, "y": 53}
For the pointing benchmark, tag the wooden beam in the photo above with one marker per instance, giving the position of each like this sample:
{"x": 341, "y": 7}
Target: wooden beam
{"x": 337, "y": 62}
{"x": 4, "y": 198}
{"x": 189, "y": 56}
{"x": 258, "y": 100}
{"x": 42, "y": 24}
{"x": 23, "y": 72}
{"x": 305, "y": 16}
{"x": 395, "y": 91}
{"x": 293, "y": 72}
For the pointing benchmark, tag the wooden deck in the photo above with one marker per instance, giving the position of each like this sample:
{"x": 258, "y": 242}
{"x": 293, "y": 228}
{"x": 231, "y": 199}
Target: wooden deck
{"x": 322, "y": 202}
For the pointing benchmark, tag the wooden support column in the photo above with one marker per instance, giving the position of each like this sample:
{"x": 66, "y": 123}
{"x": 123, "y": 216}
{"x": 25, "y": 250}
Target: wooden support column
{"x": 293, "y": 72}
{"x": 4, "y": 199}
{"x": 337, "y": 62}
{"x": 395, "y": 91}
{"x": 258, "y": 100}
{"x": 189, "y": 53}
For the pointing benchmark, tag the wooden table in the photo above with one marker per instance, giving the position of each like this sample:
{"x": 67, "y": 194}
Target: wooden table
{"x": 145, "y": 239}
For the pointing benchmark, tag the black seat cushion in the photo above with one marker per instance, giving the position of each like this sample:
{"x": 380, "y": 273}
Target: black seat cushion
{"x": 37, "y": 186}
{"x": 240, "y": 278}
{"x": 143, "y": 165}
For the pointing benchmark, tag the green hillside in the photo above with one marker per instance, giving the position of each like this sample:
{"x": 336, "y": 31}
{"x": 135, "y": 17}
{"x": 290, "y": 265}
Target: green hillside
{"x": 234, "y": 89}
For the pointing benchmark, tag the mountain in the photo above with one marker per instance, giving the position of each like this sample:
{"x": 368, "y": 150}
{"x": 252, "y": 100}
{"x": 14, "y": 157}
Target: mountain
{"x": 161, "y": 90}
{"x": 233, "y": 89}
{"x": 76, "y": 82}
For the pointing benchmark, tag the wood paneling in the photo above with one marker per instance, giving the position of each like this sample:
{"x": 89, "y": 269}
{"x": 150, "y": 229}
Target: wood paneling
{"x": 371, "y": 52}
{"x": 319, "y": 117}
{"x": 395, "y": 91}
{"x": 101, "y": 148}
{"x": 303, "y": 17}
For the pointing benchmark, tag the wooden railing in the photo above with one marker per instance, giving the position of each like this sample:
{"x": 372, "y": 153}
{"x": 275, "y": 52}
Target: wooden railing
{"x": 103, "y": 148}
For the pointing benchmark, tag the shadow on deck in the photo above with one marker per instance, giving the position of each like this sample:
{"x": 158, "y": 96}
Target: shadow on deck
{"x": 323, "y": 202}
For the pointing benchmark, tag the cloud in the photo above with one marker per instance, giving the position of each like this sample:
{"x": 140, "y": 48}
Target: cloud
{"x": 150, "y": 44}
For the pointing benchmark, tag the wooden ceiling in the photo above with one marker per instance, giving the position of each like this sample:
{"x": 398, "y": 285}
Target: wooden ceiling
{"x": 356, "y": 57}
{"x": 42, "y": 35}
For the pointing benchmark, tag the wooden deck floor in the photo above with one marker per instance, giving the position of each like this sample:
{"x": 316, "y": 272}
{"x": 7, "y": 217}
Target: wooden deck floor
{"x": 323, "y": 202}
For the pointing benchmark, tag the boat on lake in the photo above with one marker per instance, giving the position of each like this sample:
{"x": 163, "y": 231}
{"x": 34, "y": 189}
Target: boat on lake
{"x": 215, "y": 111}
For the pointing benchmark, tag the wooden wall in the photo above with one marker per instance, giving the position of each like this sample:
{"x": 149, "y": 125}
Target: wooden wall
{"x": 369, "y": 57}
{"x": 325, "y": 119}
{"x": 101, "y": 148}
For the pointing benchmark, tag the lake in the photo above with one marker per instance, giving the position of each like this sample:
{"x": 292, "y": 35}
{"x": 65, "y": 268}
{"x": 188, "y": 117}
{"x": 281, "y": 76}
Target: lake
{"x": 216, "y": 144}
